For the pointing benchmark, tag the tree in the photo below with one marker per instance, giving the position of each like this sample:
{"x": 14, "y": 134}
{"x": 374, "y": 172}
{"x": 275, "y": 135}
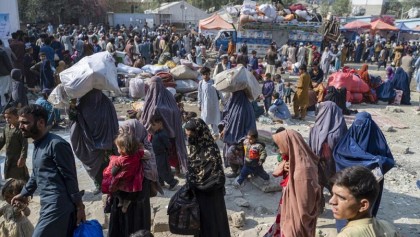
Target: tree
{"x": 341, "y": 7}
{"x": 324, "y": 8}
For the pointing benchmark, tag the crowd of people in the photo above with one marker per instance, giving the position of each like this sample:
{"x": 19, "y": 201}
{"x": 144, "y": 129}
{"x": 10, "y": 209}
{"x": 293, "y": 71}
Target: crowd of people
{"x": 133, "y": 161}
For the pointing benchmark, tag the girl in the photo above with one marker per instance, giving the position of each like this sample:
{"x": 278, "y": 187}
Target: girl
{"x": 124, "y": 174}
{"x": 15, "y": 223}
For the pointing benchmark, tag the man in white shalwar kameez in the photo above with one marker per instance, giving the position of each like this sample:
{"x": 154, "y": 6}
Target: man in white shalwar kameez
{"x": 208, "y": 101}
{"x": 301, "y": 55}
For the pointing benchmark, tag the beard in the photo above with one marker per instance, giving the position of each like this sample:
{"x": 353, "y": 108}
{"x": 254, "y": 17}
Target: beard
{"x": 32, "y": 132}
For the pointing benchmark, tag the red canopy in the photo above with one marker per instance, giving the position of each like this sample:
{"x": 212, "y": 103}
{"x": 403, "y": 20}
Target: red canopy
{"x": 215, "y": 22}
{"x": 354, "y": 25}
{"x": 380, "y": 25}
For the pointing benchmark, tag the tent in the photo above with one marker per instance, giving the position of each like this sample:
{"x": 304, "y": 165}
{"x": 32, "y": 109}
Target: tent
{"x": 380, "y": 25}
{"x": 214, "y": 22}
{"x": 355, "y": 25}
{"x": 403, "y": 28}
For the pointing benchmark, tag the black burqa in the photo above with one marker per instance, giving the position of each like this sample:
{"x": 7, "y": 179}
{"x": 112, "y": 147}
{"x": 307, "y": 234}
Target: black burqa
{"x": 94, "y": 131}
{"x": 160, "y": 101}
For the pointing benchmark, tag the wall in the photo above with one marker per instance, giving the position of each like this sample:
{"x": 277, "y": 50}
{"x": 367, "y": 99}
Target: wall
{"x": 133, "y": 19}
{"x": 10, "y": 7}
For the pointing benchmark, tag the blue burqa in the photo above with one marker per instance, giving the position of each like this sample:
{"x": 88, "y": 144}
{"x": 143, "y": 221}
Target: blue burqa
{"x": 401, "y": 82}
{"x": 364, "y": 145}
{"x": 386, "y": 92}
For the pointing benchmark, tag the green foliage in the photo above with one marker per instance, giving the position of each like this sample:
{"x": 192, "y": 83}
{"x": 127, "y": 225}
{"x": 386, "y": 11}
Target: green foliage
{"x": 341, "y": 7}
{"x": 324, "y": 8}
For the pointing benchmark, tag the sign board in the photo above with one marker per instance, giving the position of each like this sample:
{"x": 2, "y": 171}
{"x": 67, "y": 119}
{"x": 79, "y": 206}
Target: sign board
{"x": 5, "y": 31}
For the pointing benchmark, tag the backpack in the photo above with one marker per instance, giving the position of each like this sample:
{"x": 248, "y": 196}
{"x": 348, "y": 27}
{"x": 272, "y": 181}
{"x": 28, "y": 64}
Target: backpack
{"x": 184, "y": 212}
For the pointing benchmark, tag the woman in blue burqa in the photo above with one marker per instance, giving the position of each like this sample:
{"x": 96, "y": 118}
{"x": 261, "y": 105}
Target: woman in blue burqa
{"x": 401, "y": 81}
{"x": 365, "y": 145}
{"x": 238, "y": 119}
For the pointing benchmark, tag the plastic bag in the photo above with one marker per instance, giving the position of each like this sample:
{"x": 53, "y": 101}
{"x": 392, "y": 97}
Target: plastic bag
{"x": 136, "y": 89}
{"x": 92, "y": 72}
{"x": 90, "y": 228}
{"x": 184, "y": 213}
{"x": 348, "y": 80}
{"x": 154, "y": 69}
{"x": 59, "y": 98}
{"x": 184, "y": 72}
{"x": 184, "y": 86}
{"x": 252, "y": 89}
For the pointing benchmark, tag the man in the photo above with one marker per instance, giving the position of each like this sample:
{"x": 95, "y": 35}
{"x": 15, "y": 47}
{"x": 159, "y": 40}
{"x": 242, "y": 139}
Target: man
{"x": 48, "y": 51}
{"x": 8, "y": 50}
{"x": 224, "y": 65}
{"x": 301, "y": 55}
{"x": 145, "y": 49}
{"x": 316, "y": 74}
{"x": 53, "y": 174}
{"x": 208, "y": 102}
{"x": 253, "y": 61}
{"x": 18, "y": 48}
{"x": 355, "y": 191}
{"x": 242, "y": 58}
{"x": 301, "y": 98}
{"x": 407, "y": 65}
{"x": 5, "y": 80}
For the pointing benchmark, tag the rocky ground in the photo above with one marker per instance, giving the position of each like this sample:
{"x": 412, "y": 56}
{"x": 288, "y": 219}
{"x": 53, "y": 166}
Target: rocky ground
{"x": 252, "y": 208}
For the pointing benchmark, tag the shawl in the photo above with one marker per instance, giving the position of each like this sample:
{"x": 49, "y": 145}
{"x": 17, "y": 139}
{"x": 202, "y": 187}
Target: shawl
{"x": 299, "y": 210}
{"x": 239, "y": 118}
{"x": 364, "y": 74}
{"x": 401, "y": 82}
{"x": 365, "y": 145}
{"x": 160, "y": 101}
{"x": 390, "y": 73}
{"x": 329, "y": 127}
{"x": 94, "y": 130}
{"x": 205, "y": 170}
{"x": 133, "y": 126}
{"x": 338, "y": 96}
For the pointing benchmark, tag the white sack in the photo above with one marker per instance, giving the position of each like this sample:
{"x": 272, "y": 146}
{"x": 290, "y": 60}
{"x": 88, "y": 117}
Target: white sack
{"x": 127, "y": 69}
{"x": 184, "y": 72}
{"x": 137, "y": 88}
{"x": 253, "y": 89}
{"x": 231, "y": 80}
{"x": 184, "y": 86}
{"x": 154, "y": 69}
{"x": 59, "y": 98}
{"x": 97, "y": 71}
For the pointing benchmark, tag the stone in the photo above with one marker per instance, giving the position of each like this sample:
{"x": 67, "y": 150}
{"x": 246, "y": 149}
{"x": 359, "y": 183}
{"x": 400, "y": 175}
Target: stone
{"x": 250, "y": 232}
{"x": 394, "y": 109}
{"x": 241, "y": 202}
{"x": 389, "y": 128}
{"x": 271, "y": 185}
{"x": 233, "y": 192}
{"x": 160, "y": 223}
{"x": 238, "y": 219}
{"x": 261, "y": 210}
{"x": 398, "y": 148}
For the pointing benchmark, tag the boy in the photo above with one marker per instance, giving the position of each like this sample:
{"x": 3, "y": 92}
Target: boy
{"x": 267, "y": 91}
{"x": 16, "y": 147}
{"x": 355, "y": 190}
{"x": 288, "y": 93}
{"x": 45, "y": 72}
{"x": 255, "y": 155}
{"x": 161, "y": 145}
{"x": 277, "y": 78}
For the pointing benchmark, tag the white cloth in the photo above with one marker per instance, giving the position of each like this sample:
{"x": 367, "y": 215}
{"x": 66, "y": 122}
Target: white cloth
{"x": 301, "y": 55}
{"x": 291, "y": 53}
{"x": 208, "y": 100}
{"x": 5, "y": 87}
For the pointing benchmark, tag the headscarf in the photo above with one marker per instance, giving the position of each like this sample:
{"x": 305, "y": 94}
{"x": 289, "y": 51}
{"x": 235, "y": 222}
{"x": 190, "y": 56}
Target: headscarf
{"x": 338, "y": 96}
{"x": 301, "y": 196}
{"x": 205, "y": 170}
{"x": 365, "y": 145}
{"x": 160, "y": 101}
{"x": 329, "y": 127}
{"x": 94, "y": 130}
{"x": 401, "y": 82}
{"x": 390, "y": 73}
{"x": 134, "y": 127}
{"x": 239, "y": 119}
{"x": 364, "y": 74}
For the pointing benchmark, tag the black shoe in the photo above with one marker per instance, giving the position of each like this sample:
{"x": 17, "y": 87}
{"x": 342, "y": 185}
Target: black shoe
{"x": 172, "y": 186}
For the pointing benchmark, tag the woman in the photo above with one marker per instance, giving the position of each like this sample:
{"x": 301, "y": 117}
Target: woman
{"x": 364, "y": 74}
{"x": 238, "y": 119}
{"x": 401, "y": 81}
{"x": 205, "y": 176}
{"x": 389, "y": 73}
{"x": 365, "y": 145}
{"x": 417, "y": 76}
{"x": 160, "y": 101}
{"x": 329, "y": 128}
{"x": 138, "y": 215}
{"x": 298, "y": 207}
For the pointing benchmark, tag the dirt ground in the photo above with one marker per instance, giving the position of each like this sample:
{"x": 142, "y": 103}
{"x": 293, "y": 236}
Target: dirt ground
{"x": 400, "y": 200}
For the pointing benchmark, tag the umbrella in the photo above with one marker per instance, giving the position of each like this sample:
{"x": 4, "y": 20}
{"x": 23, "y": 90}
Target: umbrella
{"x": 380, "y": 25}
{"x": 403, "y": 28}
{"x": 354, "y": 25}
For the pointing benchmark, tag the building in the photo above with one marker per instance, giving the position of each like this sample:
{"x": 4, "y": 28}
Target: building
{"x": 179, "y": 12}
{"x": 373, "y": 7}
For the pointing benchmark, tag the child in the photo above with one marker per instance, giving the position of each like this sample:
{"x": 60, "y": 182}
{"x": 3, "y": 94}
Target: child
{"x": 267, "y": 91}
{"x": 15, "y": 223}
{"x": 161, "y": 146}
{"x": 45, "y": 72}
{"x": 54, "y": 116}
{"x": 235, "y": 155}
{"x": 61, "y": 67}
{"x": 280, "y": 81}
{"x": 278, "y": 111}
{"x": 288, "y": 93}
{"x": 18, "y": 98}
{"x": 16, "y": 147}
{"x": 255, "y": 155}
{"x": 124, "y": 174}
